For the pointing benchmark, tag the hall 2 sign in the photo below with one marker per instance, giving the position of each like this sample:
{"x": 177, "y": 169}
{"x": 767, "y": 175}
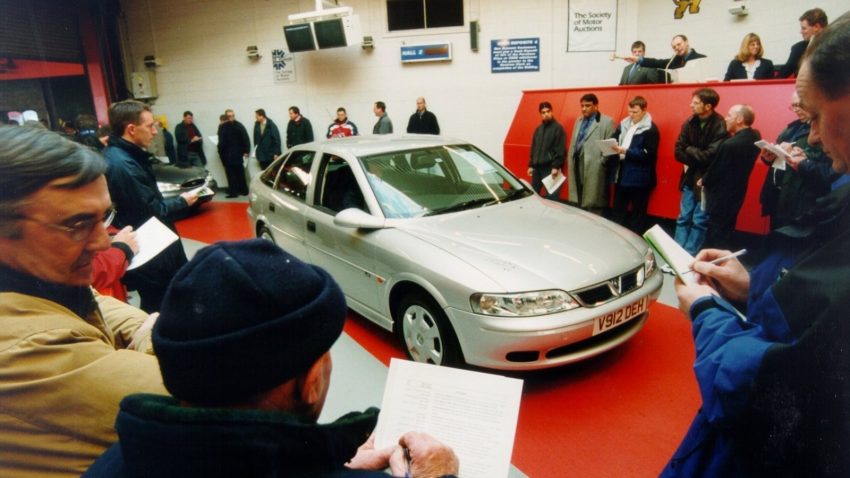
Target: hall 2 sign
{"x": 432, "y": 52}
{"x": 592, "y": 25}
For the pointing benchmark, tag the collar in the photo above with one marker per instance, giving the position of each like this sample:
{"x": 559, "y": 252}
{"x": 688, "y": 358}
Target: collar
{"x": 79, "y": 299}
{"x": 156, "y": 431}
{"x": 136, "y": 152}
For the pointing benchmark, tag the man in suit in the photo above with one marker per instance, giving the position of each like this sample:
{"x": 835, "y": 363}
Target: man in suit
{"x": 811, "y": 23}
{"x": 682, "y": 54}
{"x": 422, "y": 121}
{"x": 634, "y": 73}
{"x": 726, "y": 180}
{"x": 586, "y": 164}
{"x": 233, "y": 147}
{"x": 266, "y": 139}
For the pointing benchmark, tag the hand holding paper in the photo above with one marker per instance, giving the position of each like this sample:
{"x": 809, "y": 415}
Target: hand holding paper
{"x": 153, "y": 237}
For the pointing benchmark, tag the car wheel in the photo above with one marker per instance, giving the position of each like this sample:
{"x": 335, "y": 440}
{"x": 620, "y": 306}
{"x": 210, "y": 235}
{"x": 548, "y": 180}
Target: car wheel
{"x": 265, "y": 234}
{"x": 425, "y": 332}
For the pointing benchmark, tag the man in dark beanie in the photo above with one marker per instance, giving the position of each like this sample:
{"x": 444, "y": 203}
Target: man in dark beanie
{"x": 243, "y": 341}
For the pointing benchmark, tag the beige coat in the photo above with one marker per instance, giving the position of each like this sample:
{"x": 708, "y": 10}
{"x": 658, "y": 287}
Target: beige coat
{"x": 592, "y": 171}
{"x": 61, "y": 380}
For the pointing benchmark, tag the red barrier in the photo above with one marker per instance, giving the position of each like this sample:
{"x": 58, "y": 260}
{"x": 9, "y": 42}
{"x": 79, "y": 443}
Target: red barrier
{"x": 669, "y": 106}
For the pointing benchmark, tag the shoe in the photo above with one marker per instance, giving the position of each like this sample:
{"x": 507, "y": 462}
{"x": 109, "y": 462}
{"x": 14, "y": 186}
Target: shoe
{"x": 231, "y": 196}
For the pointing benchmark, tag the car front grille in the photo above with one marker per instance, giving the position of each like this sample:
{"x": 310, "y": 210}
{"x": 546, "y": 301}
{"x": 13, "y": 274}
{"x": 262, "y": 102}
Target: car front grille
{"x": 603, "y": 292}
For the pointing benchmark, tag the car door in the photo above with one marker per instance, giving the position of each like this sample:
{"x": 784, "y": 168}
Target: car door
{"x": 347, "y": 254}
{"x": 286, "y": 202}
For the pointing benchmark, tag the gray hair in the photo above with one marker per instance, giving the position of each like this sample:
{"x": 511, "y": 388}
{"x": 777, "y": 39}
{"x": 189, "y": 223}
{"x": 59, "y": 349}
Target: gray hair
{"x": 30, "y": 159}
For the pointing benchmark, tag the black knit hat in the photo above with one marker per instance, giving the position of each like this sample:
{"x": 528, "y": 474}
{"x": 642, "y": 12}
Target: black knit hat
{"x": 241, "y": 318}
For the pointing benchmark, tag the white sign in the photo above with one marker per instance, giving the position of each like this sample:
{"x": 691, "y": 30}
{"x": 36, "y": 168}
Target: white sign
{"x": 592, "y": 25}
{"x": 283, "y": 65}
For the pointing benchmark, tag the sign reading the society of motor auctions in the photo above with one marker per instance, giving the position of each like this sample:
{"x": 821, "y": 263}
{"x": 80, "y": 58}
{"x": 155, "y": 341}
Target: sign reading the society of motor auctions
{"x": 516, "y": 54}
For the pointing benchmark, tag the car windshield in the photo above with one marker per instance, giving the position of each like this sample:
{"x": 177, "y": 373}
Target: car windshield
{"x": 438, "y": 180}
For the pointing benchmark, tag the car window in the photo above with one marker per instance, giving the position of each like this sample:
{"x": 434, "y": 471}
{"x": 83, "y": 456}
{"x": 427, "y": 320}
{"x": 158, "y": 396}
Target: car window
{"x": 294, "y": 175}
{"x": 338, "y": 188}
{"x": 437, "y": 180}
{"x": 270, "y": 174}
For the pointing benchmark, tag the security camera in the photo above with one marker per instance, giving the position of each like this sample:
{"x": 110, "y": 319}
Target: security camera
{"x": 152, "y": 61}
{"x": 252, "y": 52}
{"x": 739, "y": 10}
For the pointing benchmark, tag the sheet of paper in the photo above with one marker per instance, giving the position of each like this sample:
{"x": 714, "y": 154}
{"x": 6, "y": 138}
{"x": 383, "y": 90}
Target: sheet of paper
{"x": 781, "y": 154}
{"x": 153, "y": 237}
{"x": 214, "y": 139}
{"x": 552, "y": 183}
{"x": 202, "y": 190}
{"x": 607, "y": 146}
{"x": 475, "y": 413}
{"x": 673, "y": 254}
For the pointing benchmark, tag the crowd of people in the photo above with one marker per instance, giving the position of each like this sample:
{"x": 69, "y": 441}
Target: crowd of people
{"x": 748, "y": 64}
{"x": 189, "y": 384}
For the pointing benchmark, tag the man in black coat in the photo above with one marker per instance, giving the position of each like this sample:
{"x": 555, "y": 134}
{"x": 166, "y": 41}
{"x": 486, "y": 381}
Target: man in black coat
{"x": 423, "y": 121}
{"x": 635, "y": 74}
{"x": 233, "y": 147}
{"x": 132, "y": 186}
{"x": 190, "y": 143}
{"x": 811, "y": 23}
{"x": 682, "y": 54}
{"x": 298, "y": 130}
{"x": 726, "y": 179}
{"x": 266, "y": 139}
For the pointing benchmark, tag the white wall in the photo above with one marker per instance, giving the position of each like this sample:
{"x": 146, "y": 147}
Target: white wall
{"x": 202, "y": 46}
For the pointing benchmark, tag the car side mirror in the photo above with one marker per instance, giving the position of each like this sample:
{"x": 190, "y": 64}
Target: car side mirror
{"x": 358, "y": 219}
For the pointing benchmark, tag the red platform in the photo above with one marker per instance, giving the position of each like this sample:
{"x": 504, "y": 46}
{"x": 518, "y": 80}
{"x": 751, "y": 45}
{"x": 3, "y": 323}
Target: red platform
{"x": 669, "y": 106}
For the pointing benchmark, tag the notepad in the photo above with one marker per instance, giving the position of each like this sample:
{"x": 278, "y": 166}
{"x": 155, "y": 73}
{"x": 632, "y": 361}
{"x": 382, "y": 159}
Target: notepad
{"x": 673, "y": 254}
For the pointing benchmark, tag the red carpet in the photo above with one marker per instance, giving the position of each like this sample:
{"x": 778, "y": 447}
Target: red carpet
{"x": 620, "y": 414}
{"x": 217, "y": 221}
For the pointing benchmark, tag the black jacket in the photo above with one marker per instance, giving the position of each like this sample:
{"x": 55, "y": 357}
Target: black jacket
{"x": 792, "y": 64}
{"x": 183, "y": 140}
{"x": 298, "y": 132}
{"x": 548, "y": 146}
{"x": 268, "y": 144}
{"x": 676, "y": 62}
{"x": 736, "y": 70}
{"x": 233, "y": 142}
{"x": 426, "y": 124}
{"x": 726, "y": 179}
{"x": 697, "y": 145}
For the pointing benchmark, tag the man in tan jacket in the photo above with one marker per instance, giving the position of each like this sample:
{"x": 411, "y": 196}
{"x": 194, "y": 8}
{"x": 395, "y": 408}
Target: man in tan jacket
{"x": 67, "y": 355}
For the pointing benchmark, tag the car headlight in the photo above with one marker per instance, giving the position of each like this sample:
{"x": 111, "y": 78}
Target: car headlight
{"x": 523, "y": 304}
{"x": 167, "y": 187}
{"x": 649, "y": 264}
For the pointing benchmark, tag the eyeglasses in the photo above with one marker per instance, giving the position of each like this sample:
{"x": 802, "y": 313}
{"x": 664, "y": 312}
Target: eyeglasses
{"x": 79, "y": 230}
{"x": 794, "y": 106}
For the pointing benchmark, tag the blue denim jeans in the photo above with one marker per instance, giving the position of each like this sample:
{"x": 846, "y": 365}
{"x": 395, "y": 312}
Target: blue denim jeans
{"x": 692, "y": 222}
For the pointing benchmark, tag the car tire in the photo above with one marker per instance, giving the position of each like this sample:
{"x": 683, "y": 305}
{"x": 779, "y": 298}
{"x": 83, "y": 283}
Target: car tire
{"x": 425, "y": 332}
{"x": 265, "y": 234}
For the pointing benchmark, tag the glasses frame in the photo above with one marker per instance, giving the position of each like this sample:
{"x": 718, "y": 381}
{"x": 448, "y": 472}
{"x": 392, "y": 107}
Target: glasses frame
{"x": 79, "y": 230}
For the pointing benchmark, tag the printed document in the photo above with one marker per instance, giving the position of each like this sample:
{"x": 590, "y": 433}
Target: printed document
{"x": 781, "y": 154}
{"x": 153, "y": 237}
{"x": 474, "y": 413}
{"x": 552, "y": 183}
{"x": 607, "y": 146}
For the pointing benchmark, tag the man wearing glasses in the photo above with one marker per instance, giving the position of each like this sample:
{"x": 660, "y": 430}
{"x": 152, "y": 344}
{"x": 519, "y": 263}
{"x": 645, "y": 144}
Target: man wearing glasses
{"x": 67, "y": 356}
{"x": 133, "y": 188}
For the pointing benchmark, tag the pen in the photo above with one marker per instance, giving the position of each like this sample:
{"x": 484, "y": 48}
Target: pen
{"x": 407, "y": 461}
{"x": 723, "y": 259}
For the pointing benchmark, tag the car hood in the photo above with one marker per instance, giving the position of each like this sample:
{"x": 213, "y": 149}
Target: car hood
{"x": 532, "y": 244}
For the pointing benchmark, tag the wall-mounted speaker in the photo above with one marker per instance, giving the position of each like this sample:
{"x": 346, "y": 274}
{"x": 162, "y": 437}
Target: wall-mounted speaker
{"x": 473, "y": 35}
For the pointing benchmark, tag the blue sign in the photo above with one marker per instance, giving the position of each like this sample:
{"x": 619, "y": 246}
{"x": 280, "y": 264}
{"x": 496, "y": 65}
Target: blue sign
{"x": 517, "y": 54}
{"x": 435, "y": 52}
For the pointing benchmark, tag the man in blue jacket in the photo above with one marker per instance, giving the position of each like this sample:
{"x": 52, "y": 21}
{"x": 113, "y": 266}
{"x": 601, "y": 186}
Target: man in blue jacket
{"x": 776, "y": 386}
{"x": 266, "y": 139}
{"x": 134, "y": 192}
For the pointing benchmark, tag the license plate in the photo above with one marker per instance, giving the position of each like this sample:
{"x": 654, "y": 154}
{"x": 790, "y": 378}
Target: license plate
{"x": 619, "y": 317}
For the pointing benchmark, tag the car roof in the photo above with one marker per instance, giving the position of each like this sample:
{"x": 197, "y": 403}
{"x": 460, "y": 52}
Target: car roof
{"x": 377, "y": 144}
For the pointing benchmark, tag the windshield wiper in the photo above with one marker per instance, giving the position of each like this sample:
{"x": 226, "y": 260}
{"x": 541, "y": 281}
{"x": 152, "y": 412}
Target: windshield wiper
{"x": 464, "y": 205}
{"x": 516, "y": 194}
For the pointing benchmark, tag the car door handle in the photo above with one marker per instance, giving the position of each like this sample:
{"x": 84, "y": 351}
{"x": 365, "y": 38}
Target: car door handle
{"x": 271, "y": 207}
{"x": 311, "y": 226}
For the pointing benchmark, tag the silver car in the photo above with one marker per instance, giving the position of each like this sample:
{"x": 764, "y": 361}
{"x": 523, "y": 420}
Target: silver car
{"x": 435, "y": 241}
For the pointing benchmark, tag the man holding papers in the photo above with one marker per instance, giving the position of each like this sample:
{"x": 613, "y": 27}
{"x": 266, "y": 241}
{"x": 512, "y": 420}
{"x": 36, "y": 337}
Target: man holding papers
{"x": 547, "y": 152}
{"x": 586, "y": 172}
{"x": 134, "y": 192}
{"x": 634, "y": 174}
{"x": 247, "y": 388}
{"x": 776, "y": 388}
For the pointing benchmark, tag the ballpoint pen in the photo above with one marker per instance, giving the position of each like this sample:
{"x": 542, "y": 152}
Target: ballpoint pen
{"x": 722, "y": 259}
{"x": 407, "y": 462}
